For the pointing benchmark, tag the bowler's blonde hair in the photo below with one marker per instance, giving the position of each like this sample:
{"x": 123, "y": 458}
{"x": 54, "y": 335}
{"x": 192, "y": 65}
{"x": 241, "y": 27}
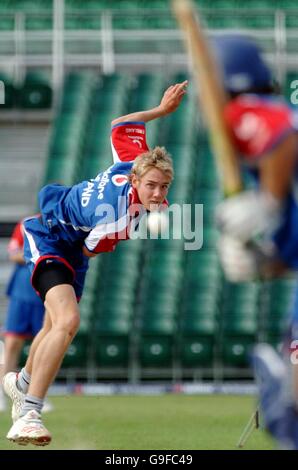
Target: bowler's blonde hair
{"x": 156, "y": 158}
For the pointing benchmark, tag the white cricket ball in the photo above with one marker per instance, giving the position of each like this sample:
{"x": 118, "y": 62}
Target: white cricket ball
{"x": 157, "y": 222}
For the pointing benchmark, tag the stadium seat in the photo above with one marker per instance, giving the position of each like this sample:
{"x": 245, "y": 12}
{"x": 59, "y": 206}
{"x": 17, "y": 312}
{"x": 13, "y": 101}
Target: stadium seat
{"x": 196, "y": 338}
{"x": 156, "y": 341}
{"x": 112, "y": 341}
{"x": 39, "y": 22}
{"x": 36, "y": 92}
{"x": 112, "y": 351}
{"x": 235, "y": 350}
{"x": 7, "y": 22}
{"x": 90, "y": 5}
{"x": 196, "y": 351}
{"x": 241, "y": 323}
{"x": 156, "y": 351}
{"x": 278, "y": 305}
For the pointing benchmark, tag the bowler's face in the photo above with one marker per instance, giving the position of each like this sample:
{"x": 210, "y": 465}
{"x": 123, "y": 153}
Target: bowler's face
{"x": 152, "y": 188}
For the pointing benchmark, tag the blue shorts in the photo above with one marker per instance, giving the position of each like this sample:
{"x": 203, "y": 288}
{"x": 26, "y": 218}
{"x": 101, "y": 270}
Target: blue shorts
{"x": 23, "y": 318}
{"x": 41, "y": 244}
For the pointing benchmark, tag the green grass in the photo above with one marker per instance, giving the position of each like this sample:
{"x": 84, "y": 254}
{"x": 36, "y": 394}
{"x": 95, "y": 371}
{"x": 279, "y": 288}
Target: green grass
{"x": 167, "y": 422}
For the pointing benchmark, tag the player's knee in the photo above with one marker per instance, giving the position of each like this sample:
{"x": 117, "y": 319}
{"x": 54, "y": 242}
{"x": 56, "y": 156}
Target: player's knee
{"x": 74, "y": 324}
{"x": 69, "y": 322}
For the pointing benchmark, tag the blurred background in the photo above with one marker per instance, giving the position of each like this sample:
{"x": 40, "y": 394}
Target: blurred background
{"x": 151, "y": 310}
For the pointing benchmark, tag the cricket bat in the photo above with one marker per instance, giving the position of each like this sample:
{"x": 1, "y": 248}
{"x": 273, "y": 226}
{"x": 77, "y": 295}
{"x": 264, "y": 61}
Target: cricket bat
{"x": 211, "y": 95}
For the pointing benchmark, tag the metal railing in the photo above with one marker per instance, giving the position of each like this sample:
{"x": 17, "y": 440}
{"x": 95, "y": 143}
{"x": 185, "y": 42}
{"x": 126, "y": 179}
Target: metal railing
{"x": 136, "y": 43}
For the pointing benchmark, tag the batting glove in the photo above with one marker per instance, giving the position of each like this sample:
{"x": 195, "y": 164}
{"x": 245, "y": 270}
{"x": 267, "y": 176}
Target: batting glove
{"x": 248, "y": 215}
{"x": 238, "y": 262}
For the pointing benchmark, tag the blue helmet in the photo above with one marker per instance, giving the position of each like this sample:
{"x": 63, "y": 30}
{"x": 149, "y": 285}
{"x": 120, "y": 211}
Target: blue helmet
{"x": 242, "y": 64}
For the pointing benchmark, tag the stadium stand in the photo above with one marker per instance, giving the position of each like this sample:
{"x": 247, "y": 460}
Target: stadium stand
{"x": 278, "y": 299}
{"x": 239, "y": 322}
{"x": 151, "y": 309}
{"x": 69, "y": 129}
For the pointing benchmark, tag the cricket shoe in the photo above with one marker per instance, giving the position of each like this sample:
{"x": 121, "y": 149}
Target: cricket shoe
{"x": 279, "y": 415}
{"x": 17, "y": 397}
{"x": 29, "y": 429}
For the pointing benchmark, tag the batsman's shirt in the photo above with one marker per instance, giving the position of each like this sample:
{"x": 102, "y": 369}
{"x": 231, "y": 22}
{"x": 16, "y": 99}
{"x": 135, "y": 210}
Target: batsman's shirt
{"x": 258, "y": 124}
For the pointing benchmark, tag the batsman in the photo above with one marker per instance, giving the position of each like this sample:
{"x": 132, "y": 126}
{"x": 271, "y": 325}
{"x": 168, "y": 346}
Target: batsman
{"x": 258, "y": 223}
{"x": 259, "y": 226}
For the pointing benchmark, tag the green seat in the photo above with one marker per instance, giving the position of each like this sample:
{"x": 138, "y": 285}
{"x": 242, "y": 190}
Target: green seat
{"x": 79, "y": 22}
{"x": 277, "y": 325}
{"x": 236, "y": 350}
{"x": 157, "y": 4}
{"x": 125, "y": 22}
{"x": 7, "y": 23}
{"x": 203, "y": 304}
{"x": 112, "y": 313}
{"x": 158, "y": 324}
{"x": 196, "y": 350}
{"x": 112, "y": 325}
{"x": 162, "y": 307}
{"x": 63, "y": 144}
{"x": 156, "y": 350}
{"x": 74, "y": 101}
{"x": 111, "y": 351}
{"x": 161, "y": 22}
{"x": 36, "y": 93}
{"x": 240, "y": 325}
{"x": 90, "y": 5}
{"x": 292, "y": 21}
{"x": 112, "y": 338}
{"x": 39, "y": 23}
{"x": 121, "y": 296}
{"x": 199, "y": 324}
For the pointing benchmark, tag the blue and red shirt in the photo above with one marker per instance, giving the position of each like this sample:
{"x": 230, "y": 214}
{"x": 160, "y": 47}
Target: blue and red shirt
{"x": 258, "y": 124}
{"x": 101, "y": 211}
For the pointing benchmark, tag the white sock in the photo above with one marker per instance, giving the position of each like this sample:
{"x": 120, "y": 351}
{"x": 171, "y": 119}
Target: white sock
{"x": 23, "y": 381}
{"x": 32, "y": 403}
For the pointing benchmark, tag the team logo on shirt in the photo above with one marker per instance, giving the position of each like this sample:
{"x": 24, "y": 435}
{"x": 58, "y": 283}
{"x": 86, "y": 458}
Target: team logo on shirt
{"x": 119, "y": 180}
{"x": 136, "y": 140}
